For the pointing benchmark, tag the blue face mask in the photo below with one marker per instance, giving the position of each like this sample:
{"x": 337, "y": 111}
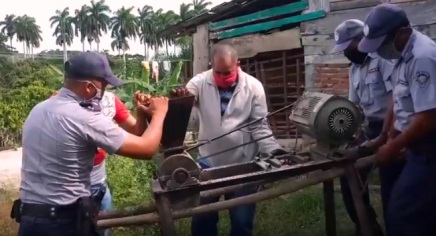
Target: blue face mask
{"x": 93, "y": 103}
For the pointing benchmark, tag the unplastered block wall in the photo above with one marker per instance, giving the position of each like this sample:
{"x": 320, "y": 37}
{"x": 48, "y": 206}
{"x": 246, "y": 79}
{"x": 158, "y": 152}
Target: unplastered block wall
{"x": 331, "y": 78}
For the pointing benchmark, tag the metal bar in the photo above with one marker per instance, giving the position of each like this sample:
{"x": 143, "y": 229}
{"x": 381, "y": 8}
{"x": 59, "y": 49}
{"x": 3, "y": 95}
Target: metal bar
{"x": 282, "y": 189}
{"x": 277, "y": 173}
{"x": 329, "y": 208}
{"x": 267, "y": 93}
{"x": 241, "y": 127}
{"x": 285, "y": 86}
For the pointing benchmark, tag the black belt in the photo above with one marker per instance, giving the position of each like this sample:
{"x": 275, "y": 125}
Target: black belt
{"x": 49, "y": 211}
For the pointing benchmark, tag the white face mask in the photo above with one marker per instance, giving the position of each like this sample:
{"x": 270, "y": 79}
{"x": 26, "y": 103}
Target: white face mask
{"x": 94, "y": 102}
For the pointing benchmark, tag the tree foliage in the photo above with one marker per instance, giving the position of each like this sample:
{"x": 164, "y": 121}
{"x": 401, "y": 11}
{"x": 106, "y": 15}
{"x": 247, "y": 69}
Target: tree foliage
{"x": 22, "y": 86}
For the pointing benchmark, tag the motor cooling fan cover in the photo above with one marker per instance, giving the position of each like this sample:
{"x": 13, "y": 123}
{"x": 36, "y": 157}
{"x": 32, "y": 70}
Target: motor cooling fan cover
{"x": 328, "y": 118}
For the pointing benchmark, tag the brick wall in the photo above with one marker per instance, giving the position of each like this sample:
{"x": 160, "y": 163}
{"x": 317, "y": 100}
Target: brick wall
{"x": 331, "y": 78}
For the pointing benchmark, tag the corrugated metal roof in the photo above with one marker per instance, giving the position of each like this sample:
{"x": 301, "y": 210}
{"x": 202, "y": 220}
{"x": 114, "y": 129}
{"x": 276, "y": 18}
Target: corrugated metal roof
{"x": 188, "y": 26}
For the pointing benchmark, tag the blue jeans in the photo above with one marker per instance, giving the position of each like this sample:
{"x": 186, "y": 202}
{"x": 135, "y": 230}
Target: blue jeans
{"x": 106, "y": 203}
{"x": 32, "y": 226}
{"x": 241, "y": 217}
{"x": 412, "y": 205}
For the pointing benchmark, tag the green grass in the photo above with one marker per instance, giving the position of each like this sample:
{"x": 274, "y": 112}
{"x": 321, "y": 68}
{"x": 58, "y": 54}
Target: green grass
{"x": 298, "y": 214}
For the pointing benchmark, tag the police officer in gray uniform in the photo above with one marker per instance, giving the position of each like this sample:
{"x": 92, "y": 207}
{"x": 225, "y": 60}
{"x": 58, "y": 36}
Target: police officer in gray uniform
{"x": 370, "y": 88}
{"x": 60, "y": 139}
{"x": 412, "y": 206}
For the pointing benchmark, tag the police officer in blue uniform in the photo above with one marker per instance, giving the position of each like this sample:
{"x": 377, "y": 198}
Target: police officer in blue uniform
{"x": 370, "y": 88}
{"x": 412, "y": 205}
{"x": 60, "y": 138}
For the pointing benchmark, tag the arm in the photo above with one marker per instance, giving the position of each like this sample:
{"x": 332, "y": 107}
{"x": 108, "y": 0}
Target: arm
{"x": 193, "y": 87}
{"x": 113, "y": 139}
{"x": 352, "y": 95}
{"x": 386, "y": 67}
{"x": 422, "y": 85}
{"x": 389, "y": 117}
{"x": 126, "y": 121}
{"x": 259, "y": 110}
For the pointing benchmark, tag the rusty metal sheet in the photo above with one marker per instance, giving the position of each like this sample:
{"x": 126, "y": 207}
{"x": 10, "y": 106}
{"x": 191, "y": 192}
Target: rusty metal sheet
{"x": 176, "y": 121}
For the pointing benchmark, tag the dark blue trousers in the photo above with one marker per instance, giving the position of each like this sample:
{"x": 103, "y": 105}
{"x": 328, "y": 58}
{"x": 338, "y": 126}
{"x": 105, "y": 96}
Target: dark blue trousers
{"x": 412, "y": 205}
{"x": 241, "y": 217}
{"x": 32, "y": 226}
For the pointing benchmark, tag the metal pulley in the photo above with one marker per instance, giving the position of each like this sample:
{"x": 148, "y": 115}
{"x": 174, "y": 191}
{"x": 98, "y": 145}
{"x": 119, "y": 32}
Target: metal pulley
{"x": 178, "y": 171}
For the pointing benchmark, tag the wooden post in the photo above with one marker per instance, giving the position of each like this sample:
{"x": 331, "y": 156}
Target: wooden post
{"x": 329, "y": 208}
{"x": 201, "y": 49}
{"x": 166, "y": 221}
{"x": 352, "y": 176}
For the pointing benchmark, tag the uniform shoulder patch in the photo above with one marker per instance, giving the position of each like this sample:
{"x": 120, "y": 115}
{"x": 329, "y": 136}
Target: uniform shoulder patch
{"x": 375, "y": 69}
{"x": 422, "y": 78}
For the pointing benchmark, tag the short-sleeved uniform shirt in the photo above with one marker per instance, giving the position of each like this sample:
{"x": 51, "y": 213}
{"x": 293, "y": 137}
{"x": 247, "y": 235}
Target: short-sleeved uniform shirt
{"x": 370, "y": 86}
{"x": 60, "y": 140}
{"x": 114, "y": 109}
{"x": 415, "y": 80}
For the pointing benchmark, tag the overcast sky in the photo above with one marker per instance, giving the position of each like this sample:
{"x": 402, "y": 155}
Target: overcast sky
{"x": 43, "y": 10}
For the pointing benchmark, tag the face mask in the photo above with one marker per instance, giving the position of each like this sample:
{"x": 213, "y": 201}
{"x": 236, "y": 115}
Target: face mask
{"x": 94, "y": 103}
{"x": 388, "y": 51}
{"x": 355, "y": 56}
{"x": 225, "y": 80}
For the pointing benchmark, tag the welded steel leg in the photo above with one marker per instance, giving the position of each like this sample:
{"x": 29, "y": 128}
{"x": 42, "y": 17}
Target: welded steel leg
{"x": 356, "y": 191}
{"x": 329, "y": 208}
{"x": 167, "y": 227}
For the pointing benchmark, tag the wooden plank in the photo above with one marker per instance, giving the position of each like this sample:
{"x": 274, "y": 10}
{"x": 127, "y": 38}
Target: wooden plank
{"x": 401, "y": 1}
{"x": 353, "y": 4}
{"x": 419, "y": 13}
{"x": 260, "y": 15}
{"x": 267, "y": 25}
{"x": 318, "y": 40}
{"x": 250, "y": 45}
{"x": 201, "y": 49}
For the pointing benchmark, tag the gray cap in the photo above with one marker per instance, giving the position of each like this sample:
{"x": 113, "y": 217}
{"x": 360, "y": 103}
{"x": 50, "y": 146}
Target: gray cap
{"x": 88, "y": 65}
{"x": 382, "y": 20}
{"x": 346, "y": 32}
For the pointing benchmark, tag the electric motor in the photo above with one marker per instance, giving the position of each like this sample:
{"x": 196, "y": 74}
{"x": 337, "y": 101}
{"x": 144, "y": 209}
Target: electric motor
{"x": 330, "y": 119}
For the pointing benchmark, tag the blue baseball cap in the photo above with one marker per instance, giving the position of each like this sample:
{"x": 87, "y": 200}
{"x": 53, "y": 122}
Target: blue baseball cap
{"x": 88, "y": 65}
{"x": 346, "y": 32}
{"x": 382, "y": 20}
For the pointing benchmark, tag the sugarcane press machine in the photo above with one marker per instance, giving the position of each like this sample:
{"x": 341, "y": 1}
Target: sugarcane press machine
{"x": 330, "y": 120}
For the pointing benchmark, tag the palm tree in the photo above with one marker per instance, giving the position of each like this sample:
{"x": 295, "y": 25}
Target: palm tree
{"x": 63, "y": 30}
{"x": 29, "y": 33}
{"x": 124, "y": 26}
{"x": 185, "y": 11}
{"x": 81, "y": 24}
{"x": 98, "y": 21}
{"x": 200, "y": 6}
{"x": 163, "y": 20}
{"x": 145, "y": 21}
{"x": 9, "y": 27}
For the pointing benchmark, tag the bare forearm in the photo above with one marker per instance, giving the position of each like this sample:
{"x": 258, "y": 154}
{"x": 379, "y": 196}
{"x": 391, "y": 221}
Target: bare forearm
{"x": 388, "y": 122}
{"x": 153, "y": 134}
{"x": 141, "y": 124}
